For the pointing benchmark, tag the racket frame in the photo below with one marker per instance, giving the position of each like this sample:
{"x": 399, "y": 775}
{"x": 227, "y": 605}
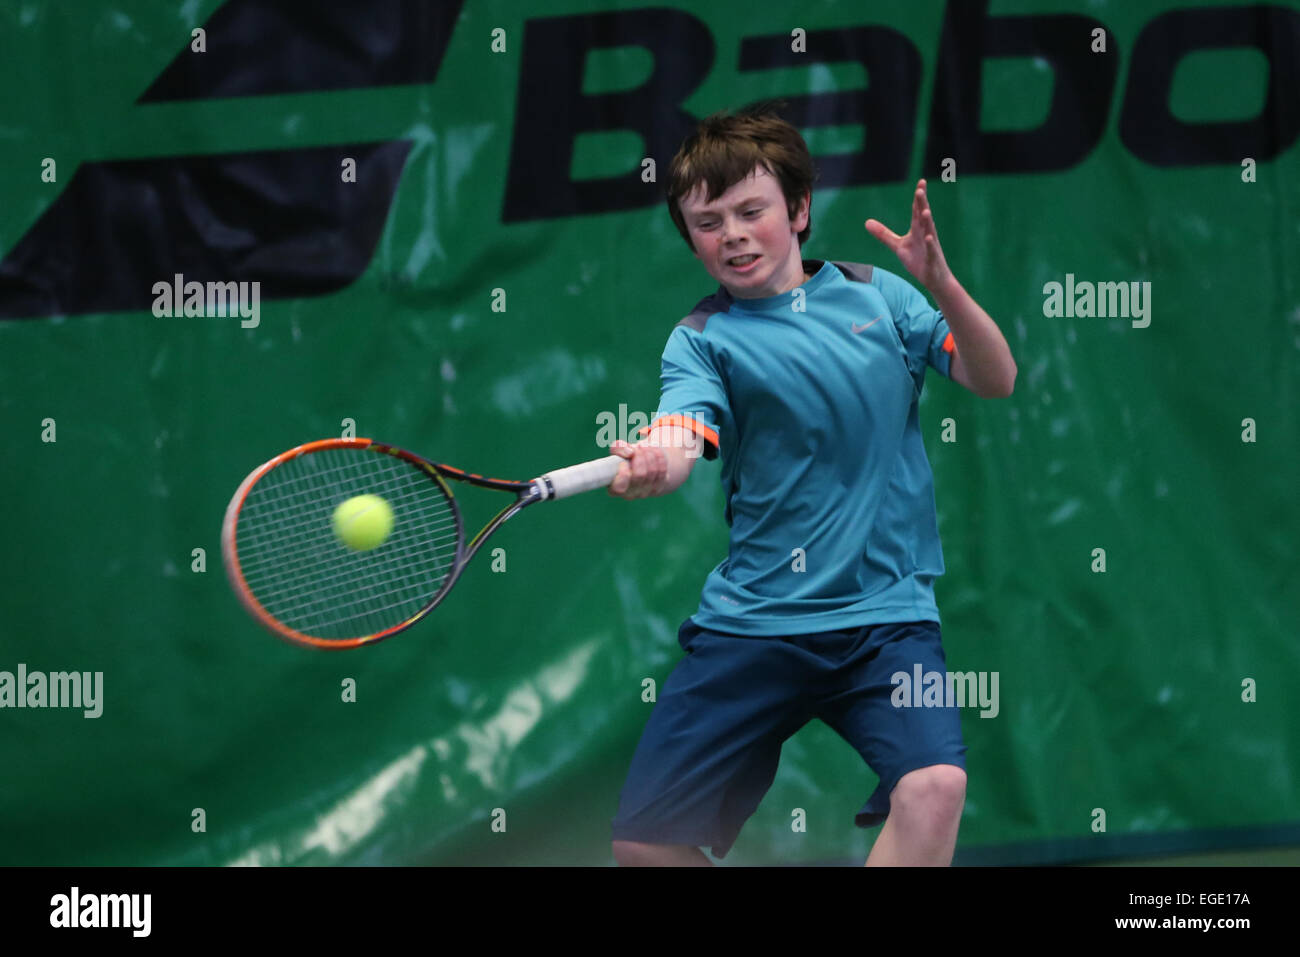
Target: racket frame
{"x": 553, "y": 485}
{"x": 435, "y": 472}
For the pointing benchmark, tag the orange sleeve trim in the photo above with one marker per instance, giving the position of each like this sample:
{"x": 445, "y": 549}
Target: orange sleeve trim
{"x": 686, "y": 422}
{"x": 949, "y": 344}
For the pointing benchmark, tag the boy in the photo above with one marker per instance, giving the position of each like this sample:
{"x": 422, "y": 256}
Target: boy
{"x": 804, "y": 377}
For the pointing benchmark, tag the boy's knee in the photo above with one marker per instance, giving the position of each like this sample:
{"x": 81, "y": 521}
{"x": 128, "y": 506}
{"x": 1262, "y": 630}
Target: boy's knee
{"x": 940, "y": 788}
{"x": 629, "y": 853}
{"x": 639, "y": 854}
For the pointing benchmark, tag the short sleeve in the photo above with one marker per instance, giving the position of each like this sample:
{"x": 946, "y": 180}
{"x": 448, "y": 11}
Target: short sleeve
{"x": 921, "y": 327}
{"x": 692, "y": 391}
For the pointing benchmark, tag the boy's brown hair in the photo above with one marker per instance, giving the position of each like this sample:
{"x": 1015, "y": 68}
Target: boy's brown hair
{"x": 724, "y": 149}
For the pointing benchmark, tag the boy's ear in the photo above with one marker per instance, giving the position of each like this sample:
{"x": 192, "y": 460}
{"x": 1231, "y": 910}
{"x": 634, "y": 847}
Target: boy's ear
{"x": 800, "y": 221}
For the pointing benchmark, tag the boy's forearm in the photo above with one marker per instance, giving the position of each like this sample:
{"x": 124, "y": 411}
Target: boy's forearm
{"x": 984, "y": 350}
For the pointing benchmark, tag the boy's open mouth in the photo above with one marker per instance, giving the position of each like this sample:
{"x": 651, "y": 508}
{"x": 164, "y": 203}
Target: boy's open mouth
{"x": 740, "y": 262}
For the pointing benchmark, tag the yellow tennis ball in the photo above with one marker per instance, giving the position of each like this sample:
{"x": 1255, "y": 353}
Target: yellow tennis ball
{"x": 363, "y": 522}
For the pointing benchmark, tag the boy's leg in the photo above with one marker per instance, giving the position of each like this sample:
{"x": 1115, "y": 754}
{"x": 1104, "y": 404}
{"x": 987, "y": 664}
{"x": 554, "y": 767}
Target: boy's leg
{"x": 710, "y": 748}
{"x": 916, "y": 749}
{"x": 924, "y": 814}
{"x": 637, "y": 854}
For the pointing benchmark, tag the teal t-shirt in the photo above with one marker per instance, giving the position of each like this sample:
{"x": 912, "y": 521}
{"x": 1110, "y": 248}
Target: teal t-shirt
{"x": 810, "y": 399}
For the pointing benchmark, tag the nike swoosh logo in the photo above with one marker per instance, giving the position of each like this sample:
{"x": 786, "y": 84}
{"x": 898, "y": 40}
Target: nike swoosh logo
{"x": 857, "y": 328}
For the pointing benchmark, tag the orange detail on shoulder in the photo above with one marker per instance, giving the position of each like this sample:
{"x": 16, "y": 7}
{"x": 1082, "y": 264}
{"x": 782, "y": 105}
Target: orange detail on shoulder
{"x": 685, "y": 422}
{"x": 949, "y": 345}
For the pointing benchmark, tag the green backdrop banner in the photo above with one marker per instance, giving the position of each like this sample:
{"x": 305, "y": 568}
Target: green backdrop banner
{"x": 492, "y": 286}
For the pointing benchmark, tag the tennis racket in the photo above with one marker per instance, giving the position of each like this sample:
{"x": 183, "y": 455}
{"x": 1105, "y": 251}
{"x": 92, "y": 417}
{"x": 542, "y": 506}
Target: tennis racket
{"x": 294, "y": 575}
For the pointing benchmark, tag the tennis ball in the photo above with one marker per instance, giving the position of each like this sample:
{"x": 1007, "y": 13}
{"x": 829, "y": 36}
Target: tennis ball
{"x": 363, "y": 522}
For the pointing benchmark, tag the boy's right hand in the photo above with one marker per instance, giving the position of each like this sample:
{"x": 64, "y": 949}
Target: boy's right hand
{"x": 644, "y": 474}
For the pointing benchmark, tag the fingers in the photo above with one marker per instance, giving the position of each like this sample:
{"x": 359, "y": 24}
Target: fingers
{"x": 649, "y": 471}
{"x": 886, "y": 236}
{"x": 619, "y": 485}
{"x": 920, "y": 205}
{"x": 922, "y": 219}
{"x": 645, "y": 473}
{"x": 921, "y": 209}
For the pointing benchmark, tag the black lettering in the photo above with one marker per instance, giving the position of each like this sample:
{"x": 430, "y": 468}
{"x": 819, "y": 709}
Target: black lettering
{"x": 267, "y": 47}
{"x": 1080, "y": 97}
{"x": 551, "y": 109}
{"x": 121, "y": 225}
{"x": 1154, "y": 134}
{"x": 886, "y": 108}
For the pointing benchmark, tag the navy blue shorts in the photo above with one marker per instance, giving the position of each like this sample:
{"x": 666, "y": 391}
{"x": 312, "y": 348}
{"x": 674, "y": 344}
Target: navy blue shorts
{"x": 710, "y": 749}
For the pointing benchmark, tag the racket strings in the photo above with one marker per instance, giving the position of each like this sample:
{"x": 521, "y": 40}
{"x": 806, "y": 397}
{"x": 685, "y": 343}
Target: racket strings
{"x": 318, "y": 574}
{"x": 318, "y": 590}
{"x": 325, "y": 585}
{"x": 308, "y": 580}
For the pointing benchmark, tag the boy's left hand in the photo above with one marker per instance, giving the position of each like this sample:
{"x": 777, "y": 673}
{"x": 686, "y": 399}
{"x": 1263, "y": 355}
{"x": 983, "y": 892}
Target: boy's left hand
{"x": 919, "y": 251}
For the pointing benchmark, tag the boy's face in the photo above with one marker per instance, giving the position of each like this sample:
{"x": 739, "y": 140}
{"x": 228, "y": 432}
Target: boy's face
{"x": 745, "y": 237}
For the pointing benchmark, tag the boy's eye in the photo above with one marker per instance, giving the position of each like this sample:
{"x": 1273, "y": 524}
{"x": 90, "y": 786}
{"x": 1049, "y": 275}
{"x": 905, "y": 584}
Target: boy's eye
{"x": 752, "y": 212}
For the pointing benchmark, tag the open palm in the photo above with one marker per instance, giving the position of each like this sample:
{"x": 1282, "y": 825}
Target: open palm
{"x": 919, "y": 251}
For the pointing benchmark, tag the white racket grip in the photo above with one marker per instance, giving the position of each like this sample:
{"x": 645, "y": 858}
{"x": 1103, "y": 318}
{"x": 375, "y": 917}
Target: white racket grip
{"x": 576, "y": 479}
